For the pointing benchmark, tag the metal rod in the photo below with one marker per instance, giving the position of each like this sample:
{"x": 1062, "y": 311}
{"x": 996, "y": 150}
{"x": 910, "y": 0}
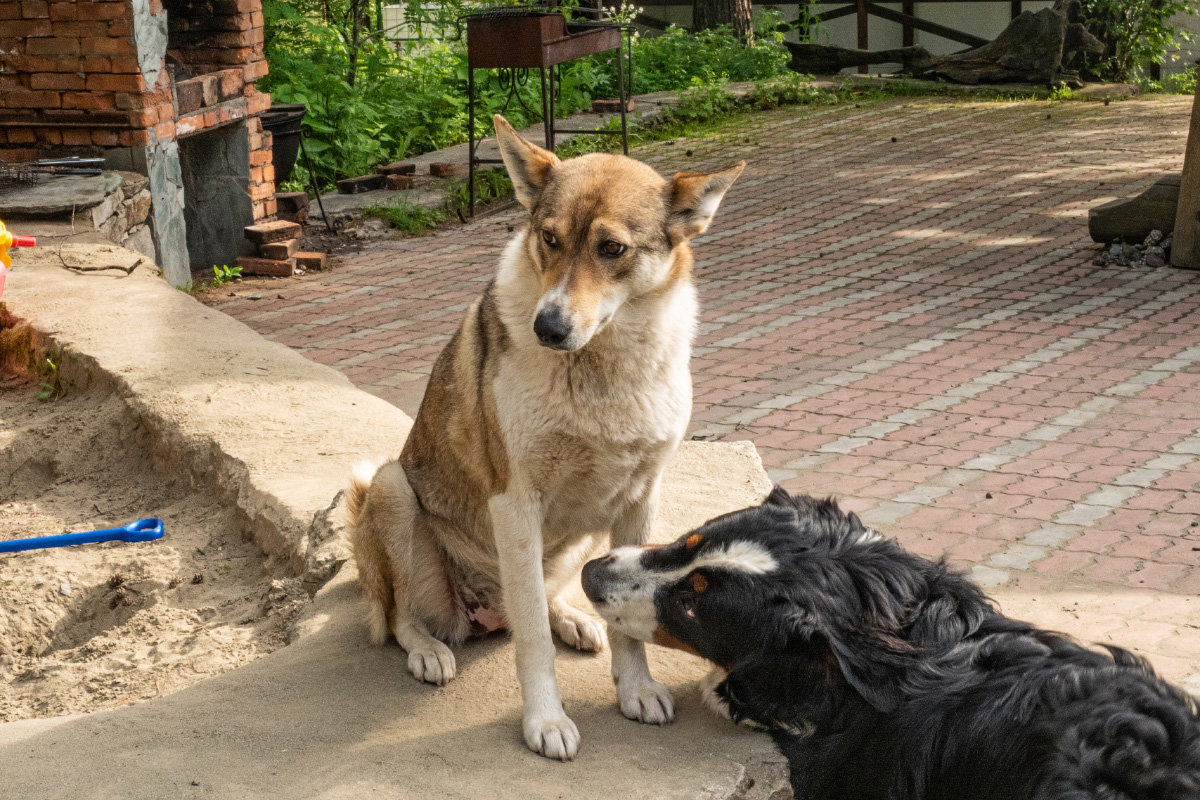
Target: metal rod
{"x": 471, "y": 139}
{"x": 553, "y": 69}
{"x": 622, "y": 98}
{"x": 545, "y": 112}
{"x": 312, "y": 181}
{"x": 863, "y": 27}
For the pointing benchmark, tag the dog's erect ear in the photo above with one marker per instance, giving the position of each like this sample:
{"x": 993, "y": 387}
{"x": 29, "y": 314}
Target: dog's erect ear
{"x": 779, "y": 497}
{"x": 873, "y": 663}
{"x": 694, "y": 196}
{"x": 528, "y": 165}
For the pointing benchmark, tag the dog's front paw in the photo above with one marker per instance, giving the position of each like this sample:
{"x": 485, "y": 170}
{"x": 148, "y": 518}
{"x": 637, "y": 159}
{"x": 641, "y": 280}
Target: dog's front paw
{"x": 646, "y": 700}
{"x": 553, "y": 736}
{"x": 712, "y": 694}
{"x": 432, "y": 662}
{"x": 577, "y": 628}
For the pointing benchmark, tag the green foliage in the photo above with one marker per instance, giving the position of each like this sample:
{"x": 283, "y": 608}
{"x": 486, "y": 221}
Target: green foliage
{"x": 490, "y": 184}
{"x": 787, "y": 90}
{"x": 369, "y": 103}
{"x": 224, "y": 274}
{"x": 679, "y": 58}
{"x": 1136, "y": 33}
{"x": 1063, "y": 92}
{"x": 410, "y": 218}
{"x": 413, "y": 220}
{"x": 701, "y": 102}
{"x": 1176, "y": 83}
{"x": 51, "y": 383}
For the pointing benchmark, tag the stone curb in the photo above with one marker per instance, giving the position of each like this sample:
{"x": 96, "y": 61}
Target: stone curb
{"x": 266, "y": 446}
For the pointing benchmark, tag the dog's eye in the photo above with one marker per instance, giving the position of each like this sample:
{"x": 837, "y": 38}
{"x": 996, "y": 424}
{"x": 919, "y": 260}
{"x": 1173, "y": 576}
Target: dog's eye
{"x": 550, "y": 239}
{"x": 610, "y": 248}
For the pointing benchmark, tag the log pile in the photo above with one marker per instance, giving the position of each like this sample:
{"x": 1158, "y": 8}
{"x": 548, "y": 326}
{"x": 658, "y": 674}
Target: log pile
{"x": 1030, "y": 50}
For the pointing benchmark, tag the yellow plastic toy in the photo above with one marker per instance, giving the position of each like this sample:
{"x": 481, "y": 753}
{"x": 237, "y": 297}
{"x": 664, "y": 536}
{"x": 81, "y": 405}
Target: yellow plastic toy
{"x": 8, "y": 240}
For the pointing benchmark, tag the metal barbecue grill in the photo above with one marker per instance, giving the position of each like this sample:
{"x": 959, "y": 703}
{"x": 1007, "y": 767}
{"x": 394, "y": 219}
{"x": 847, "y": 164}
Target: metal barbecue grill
{"x": 516, "y": 39}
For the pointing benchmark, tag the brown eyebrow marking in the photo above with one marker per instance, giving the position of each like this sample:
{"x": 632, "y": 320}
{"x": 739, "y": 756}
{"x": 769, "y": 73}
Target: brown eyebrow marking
{"x": 664, "y": 639}
{"x": 693, "y": 541}
{"x": 699, "y": 582}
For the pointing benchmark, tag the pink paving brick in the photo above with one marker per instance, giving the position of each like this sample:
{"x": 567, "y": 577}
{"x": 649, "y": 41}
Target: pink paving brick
{"x": 1064, "y": 563}
{"x": 1140, "y": 546}
{"x": 1157, "y": 576}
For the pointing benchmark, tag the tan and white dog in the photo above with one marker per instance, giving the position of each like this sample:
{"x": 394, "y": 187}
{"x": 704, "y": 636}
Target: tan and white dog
{"x": 546, "y": 424}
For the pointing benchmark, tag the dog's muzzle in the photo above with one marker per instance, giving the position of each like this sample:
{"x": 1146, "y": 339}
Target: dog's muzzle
{"x": 552, "y": 328}
{"x": 596, "y": 577}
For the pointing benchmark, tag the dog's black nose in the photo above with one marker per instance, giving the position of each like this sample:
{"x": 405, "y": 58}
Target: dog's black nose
{"x": 593, "y": 576}
{"x": 551, "y": 327}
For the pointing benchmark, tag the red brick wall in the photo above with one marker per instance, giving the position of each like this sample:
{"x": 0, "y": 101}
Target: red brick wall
{"x": 66, "y": 62}
{"x": 70, "y": 80}
{"x": 212, "y": 34}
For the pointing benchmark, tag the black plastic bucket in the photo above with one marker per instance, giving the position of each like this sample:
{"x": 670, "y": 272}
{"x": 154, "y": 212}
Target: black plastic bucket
{"x": 283, "y": 121}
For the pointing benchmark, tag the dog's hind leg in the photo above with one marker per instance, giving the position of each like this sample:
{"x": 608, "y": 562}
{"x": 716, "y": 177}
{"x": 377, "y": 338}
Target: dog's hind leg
{"x": 639, "y": 695}
{"x": 575, "y": 627}
{"x": 428, "y": 601}
{"x": 429, "y": 659}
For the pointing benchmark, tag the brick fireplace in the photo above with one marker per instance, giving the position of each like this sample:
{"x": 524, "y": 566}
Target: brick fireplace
{"x": 161, "y": 87}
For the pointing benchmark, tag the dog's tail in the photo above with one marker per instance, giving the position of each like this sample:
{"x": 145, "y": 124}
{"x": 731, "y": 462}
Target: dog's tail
{"x": 370, "y": 553}
{"x": 1140, "y": 739}
{"x": 356, "y": 495}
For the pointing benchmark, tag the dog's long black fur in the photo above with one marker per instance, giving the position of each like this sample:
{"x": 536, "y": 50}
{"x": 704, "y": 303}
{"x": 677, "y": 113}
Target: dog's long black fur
{"x": 886, "y": 675}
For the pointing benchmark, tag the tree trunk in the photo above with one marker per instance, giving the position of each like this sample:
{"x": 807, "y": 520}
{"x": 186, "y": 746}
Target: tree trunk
{"x": 1030, "y": 49}
{"x": 713, "y": 13}
{"x": 822, "y": 59}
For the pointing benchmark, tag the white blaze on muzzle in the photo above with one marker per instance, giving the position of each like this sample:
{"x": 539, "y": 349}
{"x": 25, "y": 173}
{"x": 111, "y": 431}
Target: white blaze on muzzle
{"x": 627, "y": 596}
{"x": 581, "y": 329}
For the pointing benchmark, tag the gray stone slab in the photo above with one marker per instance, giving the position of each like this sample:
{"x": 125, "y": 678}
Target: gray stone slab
{"x": 55, "y": 195}
{"x": 1130, "y": 220}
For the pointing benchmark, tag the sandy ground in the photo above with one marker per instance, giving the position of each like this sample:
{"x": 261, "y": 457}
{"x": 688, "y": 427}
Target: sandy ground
{"x": 97, "y": 626}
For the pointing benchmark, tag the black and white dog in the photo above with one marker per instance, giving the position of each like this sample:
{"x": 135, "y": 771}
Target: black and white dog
{"x": 884, "y": 675}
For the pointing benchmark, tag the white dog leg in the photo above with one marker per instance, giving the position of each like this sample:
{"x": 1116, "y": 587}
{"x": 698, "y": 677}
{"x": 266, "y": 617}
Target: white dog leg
{"x": 640, "y": 696}
{"x": 516, "y": 520}
{"x": 708, "y": 693}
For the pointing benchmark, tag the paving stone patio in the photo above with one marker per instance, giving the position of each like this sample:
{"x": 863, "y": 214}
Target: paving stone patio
{"x": 900, "y": 308}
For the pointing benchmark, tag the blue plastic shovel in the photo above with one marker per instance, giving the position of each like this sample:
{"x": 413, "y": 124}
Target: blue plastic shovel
{"x": 144, "y": 530}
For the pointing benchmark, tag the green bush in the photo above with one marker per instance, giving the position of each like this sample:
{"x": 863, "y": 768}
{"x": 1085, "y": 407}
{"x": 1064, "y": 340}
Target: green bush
{"x": 369, "y": 104}
{"x": 1136, "y": 33}
{"x": 679, "y": 58}
{"x": 1176, "y": 83}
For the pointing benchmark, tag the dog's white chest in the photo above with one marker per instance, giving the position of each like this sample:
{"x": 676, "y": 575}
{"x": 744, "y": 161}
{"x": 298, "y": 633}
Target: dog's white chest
{"x": 590, "y": 447}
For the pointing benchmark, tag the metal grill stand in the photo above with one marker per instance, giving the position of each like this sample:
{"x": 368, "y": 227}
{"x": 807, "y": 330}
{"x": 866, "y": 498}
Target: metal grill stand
{"x": 524, "y": 38}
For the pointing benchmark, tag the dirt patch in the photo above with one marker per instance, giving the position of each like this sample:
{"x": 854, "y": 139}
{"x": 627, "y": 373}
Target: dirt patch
{"x": 96, "y": 626}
